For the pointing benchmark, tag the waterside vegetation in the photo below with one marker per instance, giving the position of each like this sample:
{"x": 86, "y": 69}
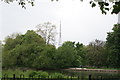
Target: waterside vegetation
{"x": 31, "y": 51}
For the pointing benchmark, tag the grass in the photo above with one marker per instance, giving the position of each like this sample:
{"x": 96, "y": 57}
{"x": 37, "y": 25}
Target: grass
{"x": 17, "y": 72}
{"x": 29, "y": 73}
{"x": 35, "y": 74}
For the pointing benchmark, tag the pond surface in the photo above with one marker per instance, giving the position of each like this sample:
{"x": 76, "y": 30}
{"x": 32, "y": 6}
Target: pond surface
{"x": 87, "y": 73}
{"x": 93, "y": 73}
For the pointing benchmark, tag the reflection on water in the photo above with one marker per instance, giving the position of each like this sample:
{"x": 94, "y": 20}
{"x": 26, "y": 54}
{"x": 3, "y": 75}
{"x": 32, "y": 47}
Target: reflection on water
{"x": 93, "y": 73}
{"x": 87, "y": 73}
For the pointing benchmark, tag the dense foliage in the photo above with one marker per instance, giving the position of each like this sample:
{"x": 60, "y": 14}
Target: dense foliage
{"x": 25, "y": 51}
{"x": 96, "y": 54}
{"x": 31, "y": 51}
{"x": 68, "y": 56}
{"x": 113, "y": 46}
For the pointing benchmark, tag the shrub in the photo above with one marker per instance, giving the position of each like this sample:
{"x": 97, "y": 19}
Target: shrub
{"x": 42, "y": 74}
{"x": 57, "y": 75}
{"x": 33, "y": 74}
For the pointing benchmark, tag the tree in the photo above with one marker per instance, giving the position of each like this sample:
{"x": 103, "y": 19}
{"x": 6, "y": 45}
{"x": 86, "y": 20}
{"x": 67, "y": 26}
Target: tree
{"x": 28, "y": 51}
{"x": 47, "y": 31}
{"x": 81, "y": 51}
{"x": 65, "y": 55}
{"x": 7, "y": 61}
{"x": 96, "y": 54}
{"x": 113, "y": 45}
{"x": 22, "y": 50}
{"x": 105, "y": 5}
{"x": 69, "y": 55}
{"x": 45, "y": 58}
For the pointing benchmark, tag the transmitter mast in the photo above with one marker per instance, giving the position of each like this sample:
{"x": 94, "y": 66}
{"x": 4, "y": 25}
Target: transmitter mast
{"x": 60, "y": 37}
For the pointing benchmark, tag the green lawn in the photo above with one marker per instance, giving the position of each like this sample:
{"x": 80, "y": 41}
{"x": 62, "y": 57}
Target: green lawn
{"x": 27, "y": 73}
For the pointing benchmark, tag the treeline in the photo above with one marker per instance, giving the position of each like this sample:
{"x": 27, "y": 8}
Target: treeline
{"x": 31, "y": 51}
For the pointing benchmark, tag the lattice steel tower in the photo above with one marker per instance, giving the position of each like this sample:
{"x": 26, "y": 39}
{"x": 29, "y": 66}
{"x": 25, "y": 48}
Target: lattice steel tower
{"x": 60, "y": 37}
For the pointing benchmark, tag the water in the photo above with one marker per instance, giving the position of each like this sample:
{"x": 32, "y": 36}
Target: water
{"x": 93, "y": 73}
{"x": 87, "y": 73}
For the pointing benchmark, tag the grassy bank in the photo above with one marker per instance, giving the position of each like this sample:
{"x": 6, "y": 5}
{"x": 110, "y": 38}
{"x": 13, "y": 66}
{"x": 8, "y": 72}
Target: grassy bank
{"x": 29, "y": 73}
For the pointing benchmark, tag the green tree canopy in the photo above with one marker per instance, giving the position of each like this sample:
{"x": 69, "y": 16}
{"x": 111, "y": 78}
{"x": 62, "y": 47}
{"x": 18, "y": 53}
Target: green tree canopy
{"x": 65, "y": 55}
{"x": 113, "y": 45}
{"x": 28, "y": 51}
{"x": 96, "y": 54}
{"x": 45, "y": 58}
{"x": 21, "y": 50}
{"x": 69, "y": 55}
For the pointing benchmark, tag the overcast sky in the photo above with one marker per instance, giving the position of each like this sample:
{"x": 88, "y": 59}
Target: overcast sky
{"x": 79, "y": 21}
